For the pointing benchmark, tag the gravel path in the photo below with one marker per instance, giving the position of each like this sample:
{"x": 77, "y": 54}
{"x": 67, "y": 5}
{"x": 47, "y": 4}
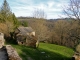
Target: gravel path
{"x": 3, "y": 54}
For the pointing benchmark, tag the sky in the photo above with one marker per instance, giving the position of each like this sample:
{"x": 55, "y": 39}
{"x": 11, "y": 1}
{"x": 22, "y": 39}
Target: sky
{"x": 52, "y": 8}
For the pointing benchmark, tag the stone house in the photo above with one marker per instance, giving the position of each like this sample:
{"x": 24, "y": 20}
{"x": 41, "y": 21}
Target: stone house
{"x": 25, "y": 36}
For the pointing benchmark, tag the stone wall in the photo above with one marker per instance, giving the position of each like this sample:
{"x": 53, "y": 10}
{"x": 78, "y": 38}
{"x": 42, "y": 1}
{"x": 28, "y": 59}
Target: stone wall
{"x": 8, "y": 50}
{"x": 1, "y": 40}
{"x": 31, "y": 41}
{"x": 12, "y": 54}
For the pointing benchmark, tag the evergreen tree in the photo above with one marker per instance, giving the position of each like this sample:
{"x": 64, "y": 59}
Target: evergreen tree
{"x": 15, "y": 21}
{"x": 7, "y": 17}
{"x": 5, "y": 11}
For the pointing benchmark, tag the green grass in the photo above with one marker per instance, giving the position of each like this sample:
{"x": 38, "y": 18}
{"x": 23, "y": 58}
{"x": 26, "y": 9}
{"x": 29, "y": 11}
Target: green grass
{"x": 49, "y": 52}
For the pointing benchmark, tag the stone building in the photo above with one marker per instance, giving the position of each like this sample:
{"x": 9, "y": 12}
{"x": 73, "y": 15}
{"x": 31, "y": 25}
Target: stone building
{"x": 12, "y": 53}
{"x": 26, "y": 36}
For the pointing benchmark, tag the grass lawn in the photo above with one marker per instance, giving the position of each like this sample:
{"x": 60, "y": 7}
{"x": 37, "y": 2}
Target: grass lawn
{"x": 45, "y": 52}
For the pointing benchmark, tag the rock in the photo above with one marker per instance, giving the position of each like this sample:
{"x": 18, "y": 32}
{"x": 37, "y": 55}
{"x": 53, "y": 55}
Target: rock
{"x": 1, "y": 40}
{"x": 76, "y": 56}
{"x": 12, "y": 54}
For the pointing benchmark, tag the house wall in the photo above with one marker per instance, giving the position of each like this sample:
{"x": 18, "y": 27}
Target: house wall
{"x": 33, "y": 33}
{"x": 21, "y": 40}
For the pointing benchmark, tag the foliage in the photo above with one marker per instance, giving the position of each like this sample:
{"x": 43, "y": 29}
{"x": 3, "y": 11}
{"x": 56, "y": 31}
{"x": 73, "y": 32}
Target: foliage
{"x": 15, "y": 21}
{"x": 3, "y": 30}
{"x": 40, "y": 28}
{"x": 8, "y": 18}
{"x": 24, "y": 23}
{"x": 65, "y": 33}
{"x": 5, "y": 12}
{"x": 45, "y": 52}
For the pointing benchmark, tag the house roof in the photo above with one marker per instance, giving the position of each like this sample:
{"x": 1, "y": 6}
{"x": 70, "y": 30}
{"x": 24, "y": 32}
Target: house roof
{"x": 25, "y": 30}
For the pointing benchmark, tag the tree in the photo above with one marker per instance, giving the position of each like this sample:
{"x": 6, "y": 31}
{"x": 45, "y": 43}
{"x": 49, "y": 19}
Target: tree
{"x": 5, "y": 11}
{"x": 6, "y": 15}
{"x": 8, "y": 18}
{"x": 61, "y": 29}
{"x": 15, "y": 21}
{"x": 40, "y": 28}
{"x": 73, "y": 9}
{"x": 39, "y": 14}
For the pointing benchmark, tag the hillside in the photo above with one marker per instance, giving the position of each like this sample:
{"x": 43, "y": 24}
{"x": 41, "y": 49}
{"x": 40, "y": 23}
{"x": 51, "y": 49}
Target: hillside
{"x": 44, "y": 52}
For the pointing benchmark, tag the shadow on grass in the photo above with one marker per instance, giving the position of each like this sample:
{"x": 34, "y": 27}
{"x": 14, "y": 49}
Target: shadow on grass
{"x": 11, "y": 41}
{"x": 41, "y": 54}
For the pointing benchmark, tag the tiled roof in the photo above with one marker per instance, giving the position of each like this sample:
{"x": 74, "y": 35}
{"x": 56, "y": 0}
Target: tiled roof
{"x": 25, "y": 30}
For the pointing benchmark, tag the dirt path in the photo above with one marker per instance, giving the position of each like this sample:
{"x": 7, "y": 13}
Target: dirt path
{"x": 3, "y": 54}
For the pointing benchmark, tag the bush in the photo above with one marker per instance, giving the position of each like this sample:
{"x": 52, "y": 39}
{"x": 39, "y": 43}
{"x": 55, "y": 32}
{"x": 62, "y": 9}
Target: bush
{"x": 7, "y": 29}
{"x": 24, "y": 23}
{"x": 4, "y": 28}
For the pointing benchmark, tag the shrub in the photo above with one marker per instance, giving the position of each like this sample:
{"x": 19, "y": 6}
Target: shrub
{"x": 4, "y": 28}
{"x": 24, "y": 23}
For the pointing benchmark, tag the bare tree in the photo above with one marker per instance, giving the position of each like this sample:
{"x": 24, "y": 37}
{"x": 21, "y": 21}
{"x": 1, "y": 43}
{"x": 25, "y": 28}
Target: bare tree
{"x": 73, "y": 9}
{"x": 40, "y": 28}
{"x": 39, "y": 14}
{"x": 61, "y": 29}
